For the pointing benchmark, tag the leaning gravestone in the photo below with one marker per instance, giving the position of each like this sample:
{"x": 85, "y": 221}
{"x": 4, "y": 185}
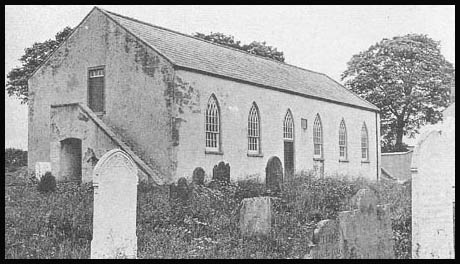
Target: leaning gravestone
{"x": 115, "y": 201}
{"x": 41, "y": 168}
{"x": 221, "y": 172}
{"x": 255, "y": 216}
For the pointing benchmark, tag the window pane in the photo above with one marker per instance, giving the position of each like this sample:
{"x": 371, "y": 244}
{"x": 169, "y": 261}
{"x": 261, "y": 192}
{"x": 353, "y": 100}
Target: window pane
{"x": 212, "y": 124}
{"x": 96, "y": 94}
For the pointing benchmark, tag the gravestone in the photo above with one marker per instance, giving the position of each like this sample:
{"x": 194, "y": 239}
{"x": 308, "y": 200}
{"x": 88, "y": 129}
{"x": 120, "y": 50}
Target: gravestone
{"x": 183, "y": 190}
{"x": 274, "y": 174}
{"x": 41, "y": 168}
{"x": 255, "y": 216}
{"x": 327, "y": 240}
{"x": 198, "y": 176}
{"x": 366, "y": 231}
{"x": 363, "y": 233}
{"x": 115, "y": 182}
{"x": 221, "y": 172}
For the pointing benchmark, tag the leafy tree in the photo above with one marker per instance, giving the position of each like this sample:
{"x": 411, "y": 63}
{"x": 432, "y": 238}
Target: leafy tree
{"x": 255, "y": 47}
{"x": 34, "y": 56}
{"x": 408, "y": 78}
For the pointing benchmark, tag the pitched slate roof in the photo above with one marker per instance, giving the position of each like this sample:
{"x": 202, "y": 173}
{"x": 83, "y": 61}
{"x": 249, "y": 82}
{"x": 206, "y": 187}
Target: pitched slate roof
{"x": 196, "y": 54}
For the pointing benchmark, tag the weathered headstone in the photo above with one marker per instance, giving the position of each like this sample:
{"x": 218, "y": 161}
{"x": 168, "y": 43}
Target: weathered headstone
{"x": 221, "y": 172}
{"x": 367, "y": 230}
{"x": 198, "y": 176}
{"x": 327, "y": 240}
{"x": 41, "y": 168}
{"x": 361, "y": 233}
{"x": 183, "y": 190}
{"x": 274, "y": 174}
{"x": 115, "y": 179}
{"x": 256, "y": 216}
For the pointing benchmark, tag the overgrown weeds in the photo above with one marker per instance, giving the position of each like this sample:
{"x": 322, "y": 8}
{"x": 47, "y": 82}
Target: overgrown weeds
{"x": 59, "y": 224}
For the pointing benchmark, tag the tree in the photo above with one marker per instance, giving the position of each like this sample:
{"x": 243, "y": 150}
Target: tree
{"x": 34, "y": 56}
{"x": 255, "y": 47}
{"x": 408, "y": 78}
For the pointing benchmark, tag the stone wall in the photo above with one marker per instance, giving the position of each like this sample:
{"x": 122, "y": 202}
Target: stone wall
{"x": 398, "y": 164}
{"x": 235, "y": 100}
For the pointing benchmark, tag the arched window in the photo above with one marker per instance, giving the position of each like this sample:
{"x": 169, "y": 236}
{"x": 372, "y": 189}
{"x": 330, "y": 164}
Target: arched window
{"x": 288, "y": 126}
{"x": 342, "y": 141}
{"x": 213, "y": 124}
{"x": 254, "y": 130}
{"x": 364, "y": 143}
{"x": 317, "y": 138}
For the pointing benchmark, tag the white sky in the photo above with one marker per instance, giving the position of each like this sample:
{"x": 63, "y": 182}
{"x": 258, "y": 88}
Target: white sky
{"x": 319, "y": 38}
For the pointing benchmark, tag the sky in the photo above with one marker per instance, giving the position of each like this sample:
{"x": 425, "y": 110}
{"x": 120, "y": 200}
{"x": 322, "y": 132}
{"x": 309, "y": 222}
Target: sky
{"x": 319, "y": 38}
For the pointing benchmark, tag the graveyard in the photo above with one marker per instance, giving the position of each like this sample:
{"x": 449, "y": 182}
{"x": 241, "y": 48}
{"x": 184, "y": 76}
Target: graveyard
{"x": 307, "y": 217}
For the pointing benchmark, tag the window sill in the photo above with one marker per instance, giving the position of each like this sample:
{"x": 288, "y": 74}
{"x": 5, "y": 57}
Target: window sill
{"x": 213, "y": 152}
{"x": 259, "y": 155}
{"x": 343, "y": 160}
{"x": 365, "y": 161}
{"x": 318, "y": 159}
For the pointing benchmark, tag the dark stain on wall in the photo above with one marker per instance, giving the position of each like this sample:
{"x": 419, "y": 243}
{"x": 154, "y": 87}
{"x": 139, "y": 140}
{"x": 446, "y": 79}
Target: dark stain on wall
{"x": 55, "y": 129}
{"x": 186, "y": 96}
{"x": 83, "y": 117}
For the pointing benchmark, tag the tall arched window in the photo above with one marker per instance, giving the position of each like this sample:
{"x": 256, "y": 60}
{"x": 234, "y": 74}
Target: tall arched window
{"x": 254, "y": 130}
{"x": 288, "y": 127}
{"x": 317, "y": 138}
{"x": 342, "y": 141}
{"x": 213, "y": 124}
{"x": 364, "y": 143}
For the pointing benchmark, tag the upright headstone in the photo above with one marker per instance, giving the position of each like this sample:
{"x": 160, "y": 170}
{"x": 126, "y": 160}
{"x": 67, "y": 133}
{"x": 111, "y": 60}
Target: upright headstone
{"x": 274, "y": 174}
{"x": 433, "y": 191}
{"x": 256, "y": 216}
{"x": 115, "y": 181}
{"x": 221, "y": 172}
{"x": 198, "y": 176}
{"x": 183, "y": 190}
{"x": 366, "y": 230}
{"x": 41, "y": 168}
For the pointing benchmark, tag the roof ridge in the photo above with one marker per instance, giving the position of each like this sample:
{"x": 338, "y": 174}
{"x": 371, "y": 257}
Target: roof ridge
{"x": 210, "y": 42}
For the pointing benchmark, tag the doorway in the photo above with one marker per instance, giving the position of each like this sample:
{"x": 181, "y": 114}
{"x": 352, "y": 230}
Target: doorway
{"x": 288, "y": 158}
{"x": 70, "y": 160}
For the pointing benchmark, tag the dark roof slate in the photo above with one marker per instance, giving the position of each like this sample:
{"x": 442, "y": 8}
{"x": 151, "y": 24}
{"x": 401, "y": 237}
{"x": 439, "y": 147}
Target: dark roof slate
{"x": 192, "y": 53}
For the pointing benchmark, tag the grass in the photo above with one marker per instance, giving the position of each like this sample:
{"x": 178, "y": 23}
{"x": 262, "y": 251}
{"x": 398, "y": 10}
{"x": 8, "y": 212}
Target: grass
{"x": 59, "y": 224}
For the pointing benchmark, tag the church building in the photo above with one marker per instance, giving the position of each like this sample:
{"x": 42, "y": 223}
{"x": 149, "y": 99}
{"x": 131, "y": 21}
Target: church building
{"x": 174, "y": 102}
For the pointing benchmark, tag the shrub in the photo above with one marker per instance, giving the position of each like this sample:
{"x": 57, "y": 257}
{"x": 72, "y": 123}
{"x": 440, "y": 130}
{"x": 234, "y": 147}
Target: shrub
{"x": 47, "y": 183}
{"x": 15, "y": 158}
